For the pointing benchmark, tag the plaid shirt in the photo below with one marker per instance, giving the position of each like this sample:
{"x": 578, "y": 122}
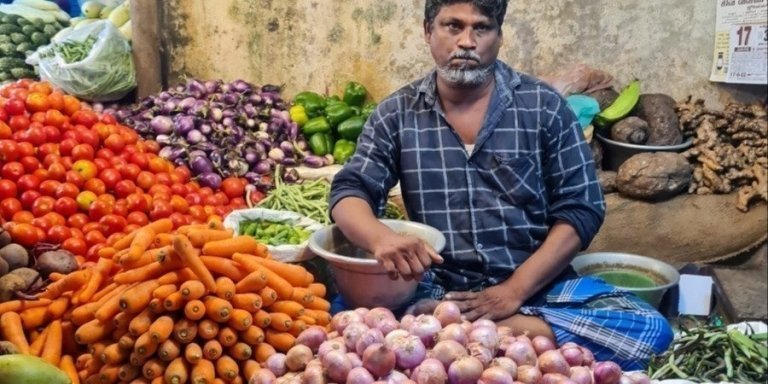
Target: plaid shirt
{"x": 529, "y": 168}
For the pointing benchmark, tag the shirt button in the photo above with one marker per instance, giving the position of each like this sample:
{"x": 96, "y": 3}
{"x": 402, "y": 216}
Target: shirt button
{"x": 479, "y": 246}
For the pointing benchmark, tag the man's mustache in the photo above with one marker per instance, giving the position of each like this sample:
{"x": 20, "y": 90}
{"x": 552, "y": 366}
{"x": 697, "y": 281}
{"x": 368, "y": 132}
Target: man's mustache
{"x": 464, "y": 54}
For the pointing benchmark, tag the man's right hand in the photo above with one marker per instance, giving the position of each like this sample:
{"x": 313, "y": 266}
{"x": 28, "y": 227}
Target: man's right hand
{"x": 404, "y": 255}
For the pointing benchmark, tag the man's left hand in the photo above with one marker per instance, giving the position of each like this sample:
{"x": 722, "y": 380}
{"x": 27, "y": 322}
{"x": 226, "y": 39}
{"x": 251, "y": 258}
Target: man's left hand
{"x": 493, "y": 303}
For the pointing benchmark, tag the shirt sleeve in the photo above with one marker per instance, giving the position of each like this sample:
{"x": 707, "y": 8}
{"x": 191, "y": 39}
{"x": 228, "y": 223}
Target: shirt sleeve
{"x": 569, "y": 172}
{"x": 371, "y": 171}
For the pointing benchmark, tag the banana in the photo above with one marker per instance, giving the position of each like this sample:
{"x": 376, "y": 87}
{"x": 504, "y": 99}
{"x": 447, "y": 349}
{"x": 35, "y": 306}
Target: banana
{"x": 622, "y": 106}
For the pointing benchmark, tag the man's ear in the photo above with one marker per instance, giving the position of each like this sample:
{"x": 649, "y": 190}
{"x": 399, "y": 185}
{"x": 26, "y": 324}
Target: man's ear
{"x": 427, "y": 31}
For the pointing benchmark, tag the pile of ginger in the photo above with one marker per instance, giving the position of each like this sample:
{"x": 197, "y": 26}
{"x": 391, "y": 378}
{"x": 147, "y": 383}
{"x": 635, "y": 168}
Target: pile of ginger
{"x": 730, "y": 149}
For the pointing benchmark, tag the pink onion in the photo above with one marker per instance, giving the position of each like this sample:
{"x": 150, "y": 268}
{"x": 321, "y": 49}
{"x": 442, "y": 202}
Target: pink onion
{"x": 465, "y": 370}
{"x": 503, "y": 330}
{"x": 316, "y": 361}
{"x": 606, "y": 372}
{"x": 409, "y": 352}
{"x": 521, "y": 353}
{"x": 379, "y": 359}
{"x": 504, "y": 342}
{"x": 525, "y": 339}
{"x": 276, "y": 364}
{"x": 555, "y": 378}
{"x": 495, "y": 375}
{"x": 486, "y": 336}
{"x": 352, "y": 334}
{"x": 342, "y": 319}
{"x": 390, "y": 338}
{"x": 552, "y": 361}
{"x": 542, "y": 344}
{"x": 638, "y": 378}
{"x": 452, "y": 332}
{"x": 387, "y": 325}
{"x": 528, "y": 374}
{"x": 581, "y": 375}
{"x": 336, "y": 344}
{"x": 312, "y": 337}
{"x": 447, "y": 351}
{"x": 332, "y": 335}
{"x": 371, "y": 336}
{"x": 573, "y": 355}
{"x": 406, "y": 321}
{"x": 262, "y": 376}
{"x": 396, "y": 377}
{"x": 337, "y": 365}
{"x": 507, "y": 364}
{"x": 589, "y": 358}
{"x": 447, "y": 312}
{"x": 426, "y": 327}
{"x": 297, "y": 357}
{"x": 355, "y": 359}
{"x": 313, "y": 375}
{"x": 359, "y": 375}
{"x": 430, "y": 371}
{"x": 375, "y": 315}
{"x": 467, "y": 325}
{"x": 479, "y": 323}
{"x": 361, "y": 310}
{"x": 485, "y": 355}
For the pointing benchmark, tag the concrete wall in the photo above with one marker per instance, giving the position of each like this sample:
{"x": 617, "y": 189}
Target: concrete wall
{"x": 314, "y": 44}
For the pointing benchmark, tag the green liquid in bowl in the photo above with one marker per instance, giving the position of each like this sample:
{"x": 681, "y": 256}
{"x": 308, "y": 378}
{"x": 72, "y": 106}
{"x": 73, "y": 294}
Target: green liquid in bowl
{"x": 626, "y": 279}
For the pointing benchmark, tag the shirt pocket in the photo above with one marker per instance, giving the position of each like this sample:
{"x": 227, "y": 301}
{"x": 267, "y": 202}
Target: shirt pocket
{"x": 514, "y": 178}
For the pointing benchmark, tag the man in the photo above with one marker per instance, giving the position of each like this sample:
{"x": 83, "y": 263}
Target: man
{"x": 496, "y": 161}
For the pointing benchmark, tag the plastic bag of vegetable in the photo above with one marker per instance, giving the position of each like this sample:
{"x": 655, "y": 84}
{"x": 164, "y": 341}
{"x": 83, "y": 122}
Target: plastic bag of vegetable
{"x": 93, "y": 62}
{"x": 287, "y": 253}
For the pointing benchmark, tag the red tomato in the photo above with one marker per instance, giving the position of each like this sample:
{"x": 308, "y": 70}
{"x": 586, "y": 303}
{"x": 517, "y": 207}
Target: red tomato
{"x": 237, "y": 203}
{"x": 112, "y": 223}
{"x": 183, "y": 173}
{"x": 67, "y": 145}
{"x": 25, "y": 234}
{"x": 23, "y": 217}
{"x": 67, "y": 190}
{"x": 65, "y": 206}
{"x": 198, "y": 213}
{"x": 85, "y": 117}
{"x": 83, "y": 152}
{"x": 7, "y": 189}
{"x": 178, "y": 219}
{"x": 5, "y": 130}
{"x": 43, "y": 205}
{"x": 28, "y": 182}
{"x": 15, "y": 107}
{"x": 30, "y": 163}
{"x": 105, "y": 153}
{"x": 138, "y": 218}
{"x": 118, "y": 162}
{"x": 94, "y": 236}
{"x": 110, "y": 177}
{"x": 145, "y": 180}
{"x": 164, "y": 178}
{"x": 78, "y": 220}
{"x": 87, "y": 136}
{"x": 48, "y": 187}
{"x": 123, "y": 188}
{"x": 42, "y": 223}
{"x": 58, "y": 234}
{"x": 57, "y": 172}
{"x": 54, "y": 118}
{"x": 48, "y": 149}
{"x": 107, "y": 118}
{"x": 28, "y": 198}
{"x": 77, "y": 246}
{"x": 55, "y": 218}
{"x": 96, "y": 186}
{"x": 137, "y": 203}
{"x": 52, "y": 134}
{"x": 160, "y": 189}
{"x": 194, "y": 199}
{"x": 120, "y": 208}
{"x": 3, "y": 115}
{"x": 115, "y": 142}
{"x": 19, "y": 123}
{"x": 9, "y": 151}
{"x": 35, "y": 136}
{"x": 140, "y": 159}
{"x": 8, "y": 207}
{"x": 74, "y": 178}
{"x": 99, "y": 209}
{"x": 160, "y": 209}
{"x": 233, "y": 187}
{"x": 205, "y": 192}
{"x": 12, "y": 170}
{"x": 86, "y": 168}
{"x": 102, "y": 164}
{"x": 179, "y": 204}
{"x": 130, "y": 172}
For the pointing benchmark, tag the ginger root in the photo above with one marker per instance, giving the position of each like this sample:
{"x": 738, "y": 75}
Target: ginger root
{"x": 730, "y": 149}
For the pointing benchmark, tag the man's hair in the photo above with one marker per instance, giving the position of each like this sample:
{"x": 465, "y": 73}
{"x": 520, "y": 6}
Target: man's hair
{"x": 493, "y": 9}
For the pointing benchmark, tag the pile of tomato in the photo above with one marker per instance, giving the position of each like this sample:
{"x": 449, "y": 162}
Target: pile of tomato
{"x": 74, "y": 177}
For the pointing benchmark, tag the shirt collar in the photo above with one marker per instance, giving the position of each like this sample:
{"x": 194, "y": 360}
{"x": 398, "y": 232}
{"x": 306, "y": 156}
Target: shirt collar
{"x": 507, "y": 80}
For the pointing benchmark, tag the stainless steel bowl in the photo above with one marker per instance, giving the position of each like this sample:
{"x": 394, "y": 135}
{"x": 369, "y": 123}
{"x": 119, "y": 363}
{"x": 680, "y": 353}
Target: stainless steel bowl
{"x": 360, "y": 279}
{"x": 616, "y": 152}
{"x": 664, "y": 275}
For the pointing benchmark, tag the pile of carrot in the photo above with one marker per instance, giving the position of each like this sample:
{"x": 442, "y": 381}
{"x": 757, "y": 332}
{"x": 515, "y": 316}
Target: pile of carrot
{"x": 194, "y": 304}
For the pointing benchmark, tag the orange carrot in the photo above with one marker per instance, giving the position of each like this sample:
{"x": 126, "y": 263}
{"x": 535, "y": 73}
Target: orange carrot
{"x": 199, "y": 237}
{"x": 307, "y": 320}
{"x": 140, "y": 243}
{"x": 147, "y": 272}
{"x": 107, "y": 252}
{"x": 162, "y": 240}
{"x": 145, "y": 346}
{"x": 291, "y": 308}
{"x": 70, "y": 282}
{"x": 173, "y": 302}
{"x": 136, "y": 359}
{"x": 252, "y": 282}
{"x": 36, "y": 347}
{"x": 185, "y": 331}
{"x": 191, "y": 258}
{"x": 67, "y": 365}
{"x": 317, "y": 289}
{"x": 228, "y": 247}
{"x": 156, "y": 306}
{"x": 268, "y": 296}
{"x": 108, "y": 304}
{"x": 297, "y": 327}
{"x": 194, "y": 310}
{"x": 114, "y": 355}
{"x": 280, "y": 321}
{"x": 189, "y": 228}
{"x": 223, "y": 267}
{"x": 208, "y": 329}
{"x": 263, "y": 351}
{"x": 253, "y": 335}
{"x": 250, "y": 367}
{"x": 141, "y": 323}
{"x": 126, "y": 343}
{"x": 212, "y": 349}
{"x": 103, "y": 266}
{"x": 240, "y": 351}
{"x": 262, "y": 318}
{"x": 225, "y": 288}
{"x": 20, "y": 305}
{"x": 52, "y": 349}
{"x": 135, "y": 299}
{"x": 161, "y": 329}
{"x": 282, "y": 341}
{"x": 109, "y": 373}
{"x": 169, "y": 350}
{"x": 121, "y": 320}
{"x": 292, "y": 273}
{"x": 193, "y": 353}
{"x": 158, "y": 226}
{"x": 192, "y": 289}
{"x": 240, "y": 319}
{"x": 227, "y": 368}
{"x": 177, "y": 276}
{"x": 34, "y": 317}
{"x": 302, "y": 295}
{"x": 319, "y": 304}
{"x": 163, "y": 291}
{"x": 283, "y": 288}
{"x": 12, "y": 330}
{"x": 215, "y": 222}
{"x": 203, "y": 372}
{"x": 153, "y": 368}
{"x": 176, "y": 372}
{"x": 322, "y": 317}
{"x": 93, "y": 331}
{"x": 217, "y": 309}
{"x": 164, "y": 255}
{"x": 227, "y": 337}
{"x": 105, "y": 291}
{"x": 128, "y": 372}
{"x": 250, "y": 302}
{"x": 82, "y": 360}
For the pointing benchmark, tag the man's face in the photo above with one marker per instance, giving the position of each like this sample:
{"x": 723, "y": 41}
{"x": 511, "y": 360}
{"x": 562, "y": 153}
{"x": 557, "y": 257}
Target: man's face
{"x": 464, "y": 44}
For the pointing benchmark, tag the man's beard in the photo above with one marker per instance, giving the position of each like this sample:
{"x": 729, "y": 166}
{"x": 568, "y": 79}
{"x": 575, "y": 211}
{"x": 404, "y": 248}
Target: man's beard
{"x": 463, "y": 75}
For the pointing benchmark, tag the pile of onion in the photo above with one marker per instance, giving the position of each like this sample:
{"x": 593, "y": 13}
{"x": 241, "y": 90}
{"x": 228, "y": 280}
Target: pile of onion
{"x": 371, "y": 346}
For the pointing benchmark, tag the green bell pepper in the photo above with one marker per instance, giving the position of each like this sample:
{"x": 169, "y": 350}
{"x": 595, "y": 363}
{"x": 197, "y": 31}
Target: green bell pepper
{"x": 313, "y": 103}
{"x": 354, "y": 94}
{"x": 321, "y": 144}
{"x": 338, "y": 112}
{"x": 316, "y": 125}
{"x": 368, "y": 108}
{"x": 343, "y": 150}
{"x": 350, "y": 128}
